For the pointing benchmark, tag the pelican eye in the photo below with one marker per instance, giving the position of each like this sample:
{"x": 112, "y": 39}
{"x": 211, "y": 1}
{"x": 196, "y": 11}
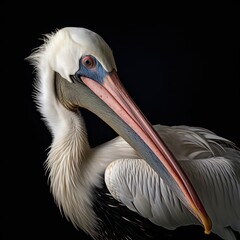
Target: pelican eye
{"x": 88, "y": 62}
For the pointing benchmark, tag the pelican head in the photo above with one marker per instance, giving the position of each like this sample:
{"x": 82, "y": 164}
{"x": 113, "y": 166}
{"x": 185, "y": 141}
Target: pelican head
{"x": 85, "y": 75}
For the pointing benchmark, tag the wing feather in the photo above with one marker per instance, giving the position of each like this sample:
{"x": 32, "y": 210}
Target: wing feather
{"x": 188, "y": 143}
{"x": 211, "y": 162}
{"x": 217, "y": 181}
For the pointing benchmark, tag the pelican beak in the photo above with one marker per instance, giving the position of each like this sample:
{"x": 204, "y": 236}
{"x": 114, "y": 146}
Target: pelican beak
{"x": 120, "y": 112}
{"x": 139, "y": 133}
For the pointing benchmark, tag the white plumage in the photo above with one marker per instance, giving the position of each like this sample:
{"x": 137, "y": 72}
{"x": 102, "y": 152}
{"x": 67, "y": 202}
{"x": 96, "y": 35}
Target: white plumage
{"x": 211, "y": 162}
{"x": 212, "y": 165}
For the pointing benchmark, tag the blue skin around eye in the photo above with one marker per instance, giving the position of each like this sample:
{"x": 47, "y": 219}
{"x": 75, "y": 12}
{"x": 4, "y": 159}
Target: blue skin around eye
{"x": 97, "y": 73}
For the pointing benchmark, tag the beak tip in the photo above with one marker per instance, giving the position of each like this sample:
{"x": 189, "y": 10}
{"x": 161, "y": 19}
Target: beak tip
{"x": 204, "y": 219}
{"x": 207, "y": 226}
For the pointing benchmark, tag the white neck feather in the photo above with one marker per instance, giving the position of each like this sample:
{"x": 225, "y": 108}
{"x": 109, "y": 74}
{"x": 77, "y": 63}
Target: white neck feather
{"x": 69, "y": 149}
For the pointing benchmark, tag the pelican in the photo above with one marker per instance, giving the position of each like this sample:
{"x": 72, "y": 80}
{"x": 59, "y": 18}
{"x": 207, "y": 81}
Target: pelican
{"x": 146, "y": 178}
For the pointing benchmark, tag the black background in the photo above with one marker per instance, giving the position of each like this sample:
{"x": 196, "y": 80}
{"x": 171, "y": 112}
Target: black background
{"x": 184, "y": 73}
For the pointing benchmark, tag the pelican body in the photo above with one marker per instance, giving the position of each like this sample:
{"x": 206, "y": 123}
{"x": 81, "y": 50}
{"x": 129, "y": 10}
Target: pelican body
{"x": 148, "y": 178}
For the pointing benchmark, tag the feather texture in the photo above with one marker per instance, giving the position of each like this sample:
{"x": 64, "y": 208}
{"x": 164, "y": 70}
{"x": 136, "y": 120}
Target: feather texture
{"x": 214, "y": 172}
